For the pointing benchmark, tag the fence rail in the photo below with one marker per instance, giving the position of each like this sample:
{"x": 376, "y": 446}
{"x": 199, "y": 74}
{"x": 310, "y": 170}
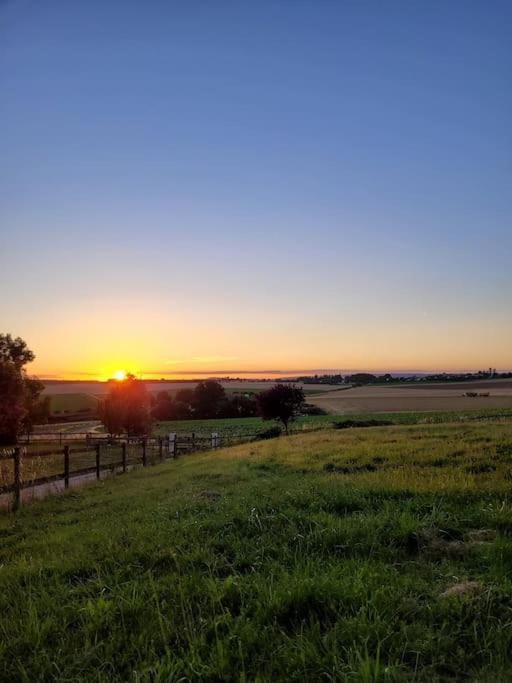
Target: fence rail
{"x": 23, "y": 468}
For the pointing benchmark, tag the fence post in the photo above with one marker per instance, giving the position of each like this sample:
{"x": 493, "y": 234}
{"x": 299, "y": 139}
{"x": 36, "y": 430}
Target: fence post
{"x": 160, "y": 448}
{"x": 144, "y": 461}
{"x": 98, "y": 447}
{"x": 123, "y": 455}
{"x": 193, "y": 441}
{"x": 66, "y": 467}
{"x": 215, "y": 440}
{"x": 173, "y": 451}
{"x": 17, "y": 479}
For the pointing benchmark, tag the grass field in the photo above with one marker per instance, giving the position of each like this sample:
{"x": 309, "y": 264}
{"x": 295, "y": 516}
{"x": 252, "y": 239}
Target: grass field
{"x": 251, "y": 425}
{"x": 62, "y": 404}
{"x": 380, "y": 554}
{"x": 231, "y": 430}
{"x": 239, "y": 426}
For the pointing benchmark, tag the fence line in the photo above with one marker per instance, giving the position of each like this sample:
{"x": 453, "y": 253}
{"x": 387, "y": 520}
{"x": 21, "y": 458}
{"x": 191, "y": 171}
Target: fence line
{"x": 99, "y": 449}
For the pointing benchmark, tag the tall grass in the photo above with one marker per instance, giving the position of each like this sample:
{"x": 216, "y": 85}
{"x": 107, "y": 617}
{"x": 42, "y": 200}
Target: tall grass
{"x": 322, "y": 556}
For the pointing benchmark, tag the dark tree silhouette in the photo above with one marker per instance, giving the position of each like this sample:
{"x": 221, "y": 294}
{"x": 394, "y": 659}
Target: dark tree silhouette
{"x": 14, "y": 351}
{"x": 20, "y": 404}
{"x": 239, "y": 405}
{"x": 282, "y": 402}
{"x": 38, "y": 407}
{"x": 162, "y": 406}
{"x": 127, "y": 408}
{"x": 12, "y": 403}
{"x": 208, "y": 399}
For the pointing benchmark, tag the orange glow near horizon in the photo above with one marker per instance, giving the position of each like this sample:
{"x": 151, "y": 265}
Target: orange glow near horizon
{"x": 119, "y": 375}
{"x": 205, "y": 342}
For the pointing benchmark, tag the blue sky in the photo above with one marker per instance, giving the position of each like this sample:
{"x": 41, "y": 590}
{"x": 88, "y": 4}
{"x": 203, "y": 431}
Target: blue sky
{"x": 263, "y": 185}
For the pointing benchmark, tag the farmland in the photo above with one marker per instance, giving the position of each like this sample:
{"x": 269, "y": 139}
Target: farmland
{"x": 102, "y": 388}
{"x": 421, "y": 397}
{"x": 73, "y": 404}
{"x": 379, "y": 554}
{"x": 76, "y": 400}
{"x": 76, "y": 397}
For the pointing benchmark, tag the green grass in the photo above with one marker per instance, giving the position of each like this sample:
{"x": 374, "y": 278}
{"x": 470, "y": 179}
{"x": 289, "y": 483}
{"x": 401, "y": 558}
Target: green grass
{"x": 62, "y": 404}
{"x": 80, "y": 458}
{"x": 251, "y": 425}
{"x": 239, "y": 426}
{"x": 322, "y": 556}
{"x": 434, "y": 417}
{"x": 233, "y": 430}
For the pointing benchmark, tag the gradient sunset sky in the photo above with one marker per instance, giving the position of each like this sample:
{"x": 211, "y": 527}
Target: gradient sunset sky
{"x": 235, "y": 186}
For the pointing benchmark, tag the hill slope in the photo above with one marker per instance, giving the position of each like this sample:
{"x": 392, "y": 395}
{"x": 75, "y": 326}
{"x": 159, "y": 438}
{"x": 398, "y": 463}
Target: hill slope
{"x": 363, "y": 554}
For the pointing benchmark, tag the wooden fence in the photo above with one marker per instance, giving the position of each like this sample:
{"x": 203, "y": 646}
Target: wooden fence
{"x": 22, "y": 467}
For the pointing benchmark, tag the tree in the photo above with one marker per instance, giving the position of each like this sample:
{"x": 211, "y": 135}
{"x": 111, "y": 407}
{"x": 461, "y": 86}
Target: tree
{"x": 127, "y": 408}
{"x": 239, "y": 405}
{"x": 208, "y": 398}
{"x": 184, "y": 404}
{"x": 20, "y": 403}
{"x": 361, "y": 378}
{"x": 14, "y": 351}
{"x": 12, "y": 403}
{"x": 282, "y": 402}
{"x": 163, "y": 407}
{"x": 111, "y": 413}
{"x": 38, "y": 408}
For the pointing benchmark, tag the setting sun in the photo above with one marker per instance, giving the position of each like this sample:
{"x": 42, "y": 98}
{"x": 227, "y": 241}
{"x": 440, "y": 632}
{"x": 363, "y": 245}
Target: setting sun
{"x": 119, "y": 375}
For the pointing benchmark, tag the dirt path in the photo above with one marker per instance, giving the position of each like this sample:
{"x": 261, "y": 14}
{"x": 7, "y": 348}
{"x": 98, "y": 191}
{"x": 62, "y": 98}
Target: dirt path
{"x": 43, "y": 490}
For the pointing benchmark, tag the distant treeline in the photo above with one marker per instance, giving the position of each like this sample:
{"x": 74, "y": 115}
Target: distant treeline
{"x": 360, "y": 378}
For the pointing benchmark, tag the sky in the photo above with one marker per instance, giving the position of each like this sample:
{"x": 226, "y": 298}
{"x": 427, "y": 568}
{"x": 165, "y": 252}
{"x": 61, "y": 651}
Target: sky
{"x": 236, "y": 187}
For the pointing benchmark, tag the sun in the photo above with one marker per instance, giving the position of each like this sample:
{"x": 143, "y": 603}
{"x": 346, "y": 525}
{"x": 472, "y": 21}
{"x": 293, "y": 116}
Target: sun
{"x": 119, "y": 375}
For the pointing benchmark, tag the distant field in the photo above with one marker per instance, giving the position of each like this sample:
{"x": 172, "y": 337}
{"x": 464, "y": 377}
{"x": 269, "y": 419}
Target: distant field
{"x": 396, "y": 398}
{"x": 101, "y": 388}
{"x": 73, "y": 403}
{"x": 371, "y": 555}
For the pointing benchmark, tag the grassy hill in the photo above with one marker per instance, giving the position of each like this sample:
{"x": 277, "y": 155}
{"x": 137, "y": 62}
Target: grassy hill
{"x": 380, "y": 554}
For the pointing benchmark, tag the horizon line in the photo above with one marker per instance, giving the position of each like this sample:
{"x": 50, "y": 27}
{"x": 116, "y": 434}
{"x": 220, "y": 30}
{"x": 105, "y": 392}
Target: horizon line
{"x": 235, "y": 374}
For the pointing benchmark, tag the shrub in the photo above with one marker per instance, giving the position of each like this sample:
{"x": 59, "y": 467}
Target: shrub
{"x": 310, "y": 409}
{"x": 347, "y": 424}
{"x": 270, "y": 433}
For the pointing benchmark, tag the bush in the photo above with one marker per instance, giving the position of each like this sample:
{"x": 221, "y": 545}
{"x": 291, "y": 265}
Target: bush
{"x": 347, "y": 424}
{"x": 270, "y": 433}
{"x": 310, "y": 409}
